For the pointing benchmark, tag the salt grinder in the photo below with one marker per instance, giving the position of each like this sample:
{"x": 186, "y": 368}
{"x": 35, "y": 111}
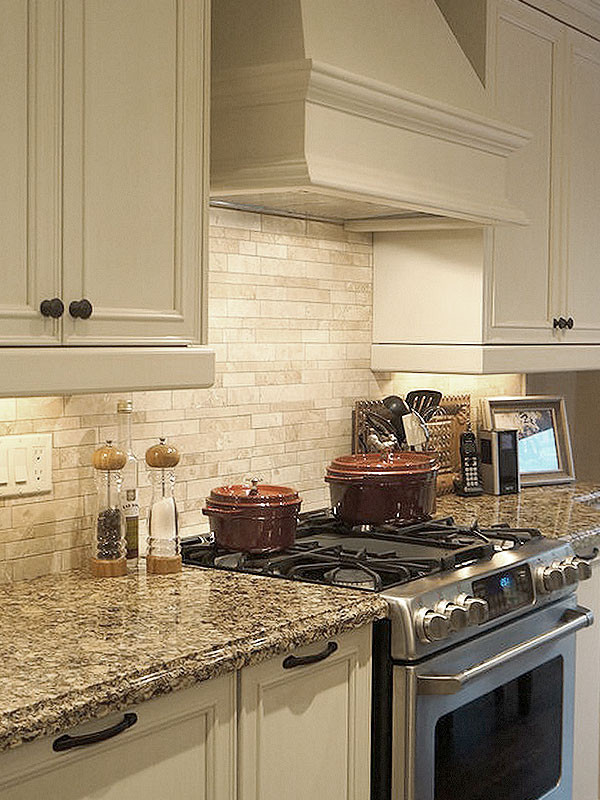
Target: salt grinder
{"x": 109, "y": 547}
{"x": 163, "y": 554}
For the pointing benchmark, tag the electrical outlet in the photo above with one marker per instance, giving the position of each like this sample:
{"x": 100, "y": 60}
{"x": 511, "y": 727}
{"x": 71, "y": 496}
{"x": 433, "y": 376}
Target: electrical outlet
{"x": 25, "y": 464}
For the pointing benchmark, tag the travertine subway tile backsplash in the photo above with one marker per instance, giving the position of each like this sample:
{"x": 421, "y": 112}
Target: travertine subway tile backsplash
{"x": 290, "y": 319}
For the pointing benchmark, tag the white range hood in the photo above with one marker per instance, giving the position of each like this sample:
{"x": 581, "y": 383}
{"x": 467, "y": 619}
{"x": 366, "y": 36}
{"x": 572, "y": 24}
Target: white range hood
{"x": 335, "y": 110}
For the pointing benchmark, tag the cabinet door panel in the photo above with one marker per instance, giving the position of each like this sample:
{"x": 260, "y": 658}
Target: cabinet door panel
{"x": 30, "y": 169}
{"x": 586, "y": 742}
{"x": 583, "y": 192}
{"x": 134, "y": 164}
{"x": 304, "y": 732}
{"x": 527, "y": 88}
{"x": 181, "y": 747}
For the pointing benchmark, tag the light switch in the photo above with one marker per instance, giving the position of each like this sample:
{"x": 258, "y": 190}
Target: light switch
{"x": 25, "y": 464}
{"x": 20, "y": 464}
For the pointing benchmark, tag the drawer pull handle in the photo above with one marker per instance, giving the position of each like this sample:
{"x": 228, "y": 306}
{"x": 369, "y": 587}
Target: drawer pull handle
{"x": 302, "y": 661}
{"x": 68, "y": 742}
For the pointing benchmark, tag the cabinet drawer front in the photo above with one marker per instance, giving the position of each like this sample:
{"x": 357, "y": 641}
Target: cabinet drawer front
{"x": 181, "y": 746}
{"x": 134, "y": 169}
{"x": 306, "y": 729}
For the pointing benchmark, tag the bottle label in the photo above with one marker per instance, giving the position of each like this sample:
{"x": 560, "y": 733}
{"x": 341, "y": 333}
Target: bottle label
{"x": 131, "y": 506}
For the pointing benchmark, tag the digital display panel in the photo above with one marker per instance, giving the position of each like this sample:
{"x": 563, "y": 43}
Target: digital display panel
{"x": 505, "y": 591}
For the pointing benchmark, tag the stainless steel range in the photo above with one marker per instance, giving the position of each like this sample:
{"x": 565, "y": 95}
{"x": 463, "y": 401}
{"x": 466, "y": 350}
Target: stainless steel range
{"x": 474, "y": 670}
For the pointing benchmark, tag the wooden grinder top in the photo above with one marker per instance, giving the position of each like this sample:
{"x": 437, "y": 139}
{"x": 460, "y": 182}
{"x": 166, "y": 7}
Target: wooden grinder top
{"x": 108, "y": 457}
{"x": 162, "y": 455}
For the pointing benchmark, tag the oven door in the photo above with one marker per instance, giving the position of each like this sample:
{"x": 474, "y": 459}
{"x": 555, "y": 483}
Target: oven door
{"x": 493, "y": 718}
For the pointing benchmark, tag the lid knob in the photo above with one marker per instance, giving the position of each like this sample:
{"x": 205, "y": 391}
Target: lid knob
{"x": 254, "y": 485}
{"x": 162, "y": 455}
{"x": 108, "y": 457}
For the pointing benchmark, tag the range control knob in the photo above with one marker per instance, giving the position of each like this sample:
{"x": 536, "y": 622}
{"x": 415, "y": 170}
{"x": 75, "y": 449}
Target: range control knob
{"x": 584, "y": 570}
{"x": 570, "y": 572}
{"x": 431, "y": 626}
{"x": 457, "y": 616}
{"x": 550, "y": 579}
{"x": 476, "y": 607}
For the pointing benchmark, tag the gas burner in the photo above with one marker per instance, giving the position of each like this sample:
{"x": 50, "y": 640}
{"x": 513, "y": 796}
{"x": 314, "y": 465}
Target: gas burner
{"x": 229, "y": 560}
{"x": 351, "y": 577}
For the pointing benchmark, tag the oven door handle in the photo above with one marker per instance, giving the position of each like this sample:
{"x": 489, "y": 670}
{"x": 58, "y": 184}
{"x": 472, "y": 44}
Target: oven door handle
{"x": 571, "y": 621}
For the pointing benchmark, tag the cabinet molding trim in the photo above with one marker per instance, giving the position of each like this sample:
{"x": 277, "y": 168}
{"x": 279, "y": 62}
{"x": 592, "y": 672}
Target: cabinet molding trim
{"x": 490, "y": 359}
{"x": 33, "y": 371}
{"x": 332, "y": 87}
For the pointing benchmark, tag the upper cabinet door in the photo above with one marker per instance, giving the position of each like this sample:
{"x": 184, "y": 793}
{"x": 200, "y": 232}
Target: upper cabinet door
{"x": 526, "y": 83}
{"x": 135, "y": 149}
{"x": 30, "y": 69}
{"x": 582, "y": 187}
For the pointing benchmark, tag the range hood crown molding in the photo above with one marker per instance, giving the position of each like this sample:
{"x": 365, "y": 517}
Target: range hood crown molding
{"x": 329, "y": 86}
{"x": 371, "y": 119}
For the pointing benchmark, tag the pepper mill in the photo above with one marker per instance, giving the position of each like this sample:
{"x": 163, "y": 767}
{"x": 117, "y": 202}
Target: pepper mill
{"x": 109, "y": 547}
{"x": 163, "y": 554}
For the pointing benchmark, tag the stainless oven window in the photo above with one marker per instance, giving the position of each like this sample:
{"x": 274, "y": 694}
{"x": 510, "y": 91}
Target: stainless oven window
{"x": 506, "y": 743}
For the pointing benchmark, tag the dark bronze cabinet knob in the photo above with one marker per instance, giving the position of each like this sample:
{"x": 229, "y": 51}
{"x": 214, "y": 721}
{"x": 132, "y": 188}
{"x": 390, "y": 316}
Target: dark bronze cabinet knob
{"x": 561, "y": 323}
{"x": 54, "y": 308}
{"x": 570, "y": 323}
{"x": 80, "y": 309}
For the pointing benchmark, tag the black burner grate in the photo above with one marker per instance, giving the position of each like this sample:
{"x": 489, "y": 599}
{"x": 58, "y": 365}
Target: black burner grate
{"x": 369, "y": 558}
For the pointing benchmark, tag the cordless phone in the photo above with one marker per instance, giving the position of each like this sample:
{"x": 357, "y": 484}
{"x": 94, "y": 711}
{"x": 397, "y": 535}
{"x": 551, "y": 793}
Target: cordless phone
{"x": 469, "y": 483}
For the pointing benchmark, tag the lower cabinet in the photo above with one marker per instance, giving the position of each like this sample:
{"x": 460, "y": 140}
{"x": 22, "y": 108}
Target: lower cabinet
{"x": 586, "y": 744}
{"x": 304, "y": 723}
{"x": 181, "y": 747}
{"x": 296, "y": 727}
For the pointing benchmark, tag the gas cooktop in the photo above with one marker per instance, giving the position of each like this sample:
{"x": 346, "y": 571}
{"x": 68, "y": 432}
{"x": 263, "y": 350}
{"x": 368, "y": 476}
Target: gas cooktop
{"x": 372, "y": 558}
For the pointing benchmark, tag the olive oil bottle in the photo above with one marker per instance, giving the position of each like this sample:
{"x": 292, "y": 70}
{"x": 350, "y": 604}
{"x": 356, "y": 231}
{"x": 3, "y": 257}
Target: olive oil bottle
{"x": 131, "y": 505}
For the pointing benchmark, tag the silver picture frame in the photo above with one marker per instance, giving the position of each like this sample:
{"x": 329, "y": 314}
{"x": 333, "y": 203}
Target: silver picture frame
{"x": 530, "y": 413}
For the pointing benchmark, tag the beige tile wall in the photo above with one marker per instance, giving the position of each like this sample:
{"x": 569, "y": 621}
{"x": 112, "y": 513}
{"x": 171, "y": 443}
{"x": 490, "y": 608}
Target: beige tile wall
{"x": 290, "y": 319}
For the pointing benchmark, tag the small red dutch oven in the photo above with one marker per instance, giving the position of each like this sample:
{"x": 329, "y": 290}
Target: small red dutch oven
{"x": 376, "y": 488}
{"x": 253, "y": 517}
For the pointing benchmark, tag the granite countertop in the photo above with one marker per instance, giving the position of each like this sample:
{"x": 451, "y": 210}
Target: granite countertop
{"x": 568, "y": 510}
{"x": 73, "y": 647}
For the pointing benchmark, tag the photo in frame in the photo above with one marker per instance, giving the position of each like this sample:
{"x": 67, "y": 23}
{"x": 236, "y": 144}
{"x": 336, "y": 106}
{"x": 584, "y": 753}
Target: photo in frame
{"x": 545, "y": 455}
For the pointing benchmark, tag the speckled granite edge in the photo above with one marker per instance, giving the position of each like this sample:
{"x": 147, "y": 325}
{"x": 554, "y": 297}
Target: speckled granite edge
{"x": 59, "y": 713}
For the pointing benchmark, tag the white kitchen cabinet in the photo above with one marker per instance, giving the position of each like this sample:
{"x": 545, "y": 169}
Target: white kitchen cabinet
{"x": 586, "y": 745}
{"x": 104, "y": 165}
{"x": 182, "y": 746}
{"x": 134, "y": 169}
{"x": 468, "y": 299}
{"x": 523, "y": 291}
{"x": 582, "y": 181}
{"x": 30, "y": 169}
{"x": 304, "y": 732}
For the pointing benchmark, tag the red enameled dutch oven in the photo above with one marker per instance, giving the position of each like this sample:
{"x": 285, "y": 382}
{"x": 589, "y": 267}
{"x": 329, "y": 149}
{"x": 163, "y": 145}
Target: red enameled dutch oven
{"x": 375, "y": 488}
{"x": 253, "y": 517}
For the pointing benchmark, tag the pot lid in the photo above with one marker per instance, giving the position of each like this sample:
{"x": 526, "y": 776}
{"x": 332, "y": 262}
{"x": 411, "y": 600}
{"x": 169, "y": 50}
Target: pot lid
{"x": 392, "y": 463}
{"x": 253, "y": 493}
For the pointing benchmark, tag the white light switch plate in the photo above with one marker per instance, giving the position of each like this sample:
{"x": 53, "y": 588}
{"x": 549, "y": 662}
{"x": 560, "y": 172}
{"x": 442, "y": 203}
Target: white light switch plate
{"x": 25, "y": 464}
